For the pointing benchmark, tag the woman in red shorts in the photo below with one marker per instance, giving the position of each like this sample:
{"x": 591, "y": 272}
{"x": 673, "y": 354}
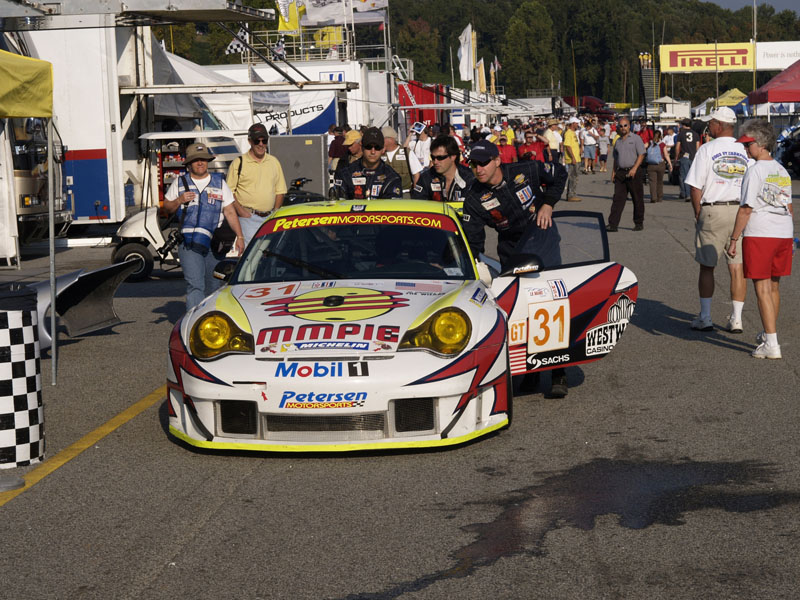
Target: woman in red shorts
{"x": 765, "y": 220}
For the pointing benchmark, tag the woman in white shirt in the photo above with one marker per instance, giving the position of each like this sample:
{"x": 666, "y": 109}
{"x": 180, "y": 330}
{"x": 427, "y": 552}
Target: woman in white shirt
{"x": 765, "y": 220}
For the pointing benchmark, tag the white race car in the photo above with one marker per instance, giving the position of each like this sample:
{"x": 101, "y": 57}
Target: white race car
{"x": 349, "y": 326}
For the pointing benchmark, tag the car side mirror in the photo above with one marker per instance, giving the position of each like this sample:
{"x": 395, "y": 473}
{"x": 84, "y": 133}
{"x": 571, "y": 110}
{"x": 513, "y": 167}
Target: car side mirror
{"x": 522, "y": 264}
{"x": 225, "y": 268}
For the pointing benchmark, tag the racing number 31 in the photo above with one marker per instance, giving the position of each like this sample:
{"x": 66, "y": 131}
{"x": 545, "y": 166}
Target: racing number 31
{"x": 548, "y": 326}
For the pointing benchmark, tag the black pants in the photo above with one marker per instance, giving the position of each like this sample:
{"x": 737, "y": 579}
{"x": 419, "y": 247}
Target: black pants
{"x": 624, "y": 185}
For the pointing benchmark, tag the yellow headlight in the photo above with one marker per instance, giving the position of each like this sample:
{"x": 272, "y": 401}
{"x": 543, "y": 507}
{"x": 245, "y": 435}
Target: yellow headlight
{"x": 214, "y": 331}
{"x": 445, "y": 332}
{"x": 216, "y": 334}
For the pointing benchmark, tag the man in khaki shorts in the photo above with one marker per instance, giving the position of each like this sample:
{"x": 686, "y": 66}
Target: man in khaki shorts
{"x": 715, "y": 182}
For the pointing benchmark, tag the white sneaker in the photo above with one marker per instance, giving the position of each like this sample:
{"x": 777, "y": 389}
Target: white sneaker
{"x": 764, "y": 351}
{"x": 734, "y": 325}
{"x": 702, "y": 324}
{"x": 761, "y": 337}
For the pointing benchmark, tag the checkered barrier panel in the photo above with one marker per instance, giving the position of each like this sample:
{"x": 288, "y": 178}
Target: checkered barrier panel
{"x": 21, "y": 412}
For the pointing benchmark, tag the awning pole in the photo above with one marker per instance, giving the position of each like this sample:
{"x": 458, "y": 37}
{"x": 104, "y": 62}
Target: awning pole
{"x": 51, "y": 184}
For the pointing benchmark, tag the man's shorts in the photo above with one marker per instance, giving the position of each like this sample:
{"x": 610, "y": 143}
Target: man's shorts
{"x": 588, "y": 151}
{"x": 603, "y": 157}
{"x": 765, "y": 257}
{"x": 713, "y": 234}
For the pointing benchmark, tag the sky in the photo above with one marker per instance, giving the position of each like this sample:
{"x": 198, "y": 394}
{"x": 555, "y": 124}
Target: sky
{"x": 778, "y": 5}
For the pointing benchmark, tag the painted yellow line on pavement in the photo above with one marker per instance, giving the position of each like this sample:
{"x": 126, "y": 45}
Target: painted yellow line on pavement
{"x": 35, "y": 475}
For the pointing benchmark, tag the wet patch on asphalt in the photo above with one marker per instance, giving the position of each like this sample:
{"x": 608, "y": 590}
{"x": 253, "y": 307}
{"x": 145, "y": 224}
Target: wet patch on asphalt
{"x": 640, "y": 493}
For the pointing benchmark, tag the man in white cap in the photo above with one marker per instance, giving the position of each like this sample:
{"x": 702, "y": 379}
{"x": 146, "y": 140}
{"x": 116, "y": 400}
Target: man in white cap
{"x": 715, "y": 184}
{"x": 401, "y": 160}
{"x": 203, "y": 199}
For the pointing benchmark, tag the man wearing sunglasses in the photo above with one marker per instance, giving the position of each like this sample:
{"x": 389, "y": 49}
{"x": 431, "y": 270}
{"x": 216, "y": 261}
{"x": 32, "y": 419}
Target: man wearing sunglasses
{"x": 446, "y": 180}
{"x": 369, "y": 177}
{"x": 257, "y": 181}
{"x": 517, "y": 201}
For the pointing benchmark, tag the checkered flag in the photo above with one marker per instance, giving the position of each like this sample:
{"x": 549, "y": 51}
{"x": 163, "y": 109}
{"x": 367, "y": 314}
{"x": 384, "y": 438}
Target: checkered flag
{"x": 279, "y": 49}
{"x": 236, "y": 46}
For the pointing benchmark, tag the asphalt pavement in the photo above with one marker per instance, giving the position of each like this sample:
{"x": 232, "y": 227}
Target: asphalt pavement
{"x": 669, "y": 471}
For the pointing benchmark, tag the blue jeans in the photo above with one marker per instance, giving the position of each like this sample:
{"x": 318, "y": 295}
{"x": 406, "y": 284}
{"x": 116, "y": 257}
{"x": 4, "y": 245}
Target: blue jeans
{"x": 684, "y": 165}
{"x": 250, "y": 227}
{"x": 198, "y": 272}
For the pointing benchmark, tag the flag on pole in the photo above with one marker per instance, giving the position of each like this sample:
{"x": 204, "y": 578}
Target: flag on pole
{"x": 481, "y": 76}
{"x": 236, "y": 46}
{"x": 291, "y": 25}
{"x": 496, "y": 64}
{"x": 466, "y": 64}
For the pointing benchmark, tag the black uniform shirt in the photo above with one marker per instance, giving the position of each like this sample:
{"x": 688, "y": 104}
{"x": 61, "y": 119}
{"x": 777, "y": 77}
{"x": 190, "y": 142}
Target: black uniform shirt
{"x": 356, "y": 182}
{"x": 432, "y": 186}
{"x": 506, "y": 206}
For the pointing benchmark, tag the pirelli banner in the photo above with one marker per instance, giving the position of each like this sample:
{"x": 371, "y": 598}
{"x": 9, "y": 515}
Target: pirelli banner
{"x": 706, "y": 58}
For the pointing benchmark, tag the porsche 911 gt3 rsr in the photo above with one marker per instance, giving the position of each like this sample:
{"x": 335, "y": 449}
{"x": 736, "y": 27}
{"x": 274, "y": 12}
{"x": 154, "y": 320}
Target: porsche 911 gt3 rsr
{"x": 350, "y": 326}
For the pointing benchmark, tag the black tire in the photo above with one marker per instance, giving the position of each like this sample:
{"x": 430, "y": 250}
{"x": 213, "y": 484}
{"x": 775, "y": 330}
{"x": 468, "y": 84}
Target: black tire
{"x": 135, "y": 251}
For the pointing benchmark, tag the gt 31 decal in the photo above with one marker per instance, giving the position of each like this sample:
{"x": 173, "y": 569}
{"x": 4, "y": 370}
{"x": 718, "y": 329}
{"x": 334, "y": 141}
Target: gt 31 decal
{"x": 601, "y": 339}
{"x": 320, "y": 369}
{"x": 340, "y": 304}
{"x": 517, "y": 332}
{"x": 548, "y": 326}
{"x": 322, "y": 400}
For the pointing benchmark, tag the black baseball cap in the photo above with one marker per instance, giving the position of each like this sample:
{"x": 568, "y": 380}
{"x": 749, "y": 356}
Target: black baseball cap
{"x": 372, "y": 137}
{"x": 483, "y": 150}
{"x": 257, "y": 130}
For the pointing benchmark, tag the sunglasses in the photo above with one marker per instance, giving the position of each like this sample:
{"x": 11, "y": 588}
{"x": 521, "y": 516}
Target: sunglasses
{"x": 436, "y": 157}
{"x": 259, "y": 141}
{"x": 373, "y": 147}
{"x": 479, "y": 163}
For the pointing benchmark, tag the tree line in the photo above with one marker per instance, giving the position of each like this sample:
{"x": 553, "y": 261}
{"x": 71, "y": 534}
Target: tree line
{"x": 534, "y": 41}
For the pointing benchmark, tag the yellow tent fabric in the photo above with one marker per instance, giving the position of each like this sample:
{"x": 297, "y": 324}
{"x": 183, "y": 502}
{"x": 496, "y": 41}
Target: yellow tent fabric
{"x": 26, "y": 86}
{"x": 731, "y": 97}
{"x": 292, "y": 25}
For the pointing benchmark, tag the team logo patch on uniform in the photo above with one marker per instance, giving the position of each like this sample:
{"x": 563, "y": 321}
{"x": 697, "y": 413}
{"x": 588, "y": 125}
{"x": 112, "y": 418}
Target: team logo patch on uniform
{"x": 525, "y": 194}
{"x": 436, "y": 186}
{"x": 490, "y": 204}
{"x": 380, "y": 177}
{"x": 337, "y": 182}
{"x": 519, "y": 179}
{"x": 486, "y": 196}
{"x": 465, "y": 217}
{"x": 417, "y": 188}
{"x": 375, "y": 190}
{"x": 359, "y": 181}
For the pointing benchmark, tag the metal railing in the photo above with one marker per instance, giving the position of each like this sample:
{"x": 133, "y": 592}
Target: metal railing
{"x": 310, "y": 43}
{"x": 543, "y": 93}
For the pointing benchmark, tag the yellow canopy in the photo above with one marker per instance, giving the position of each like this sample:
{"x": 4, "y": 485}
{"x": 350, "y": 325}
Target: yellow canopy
{"x": 731, "y": 97}
{"x": 26, "y": 86}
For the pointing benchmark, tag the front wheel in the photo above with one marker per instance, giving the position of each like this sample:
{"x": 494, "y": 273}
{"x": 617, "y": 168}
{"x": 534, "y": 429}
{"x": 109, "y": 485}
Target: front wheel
{"x": 137, "y": 252}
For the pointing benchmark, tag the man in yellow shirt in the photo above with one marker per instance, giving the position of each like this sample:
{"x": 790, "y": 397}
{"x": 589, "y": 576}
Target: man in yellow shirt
{"x": 572, "y": 158}
{"x": 256, "y": 179}
{"x": 554, "y": 140}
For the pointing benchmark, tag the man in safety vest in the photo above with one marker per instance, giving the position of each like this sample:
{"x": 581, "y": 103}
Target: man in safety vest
{"x": 401, "y": 160}
{"x": 203, "y": 199}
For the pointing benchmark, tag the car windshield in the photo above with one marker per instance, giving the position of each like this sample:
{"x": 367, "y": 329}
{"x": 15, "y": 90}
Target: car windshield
{"x": 357, "y": 245}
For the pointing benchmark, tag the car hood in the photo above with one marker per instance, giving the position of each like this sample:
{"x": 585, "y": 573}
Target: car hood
{"x": 338, "y": 317}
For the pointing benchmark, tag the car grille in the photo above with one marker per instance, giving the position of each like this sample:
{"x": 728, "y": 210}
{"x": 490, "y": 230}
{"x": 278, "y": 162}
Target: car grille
{"x": 316, "y": 428}
{"x": 414, "y": 414}
{"x": 237, "y": 418}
